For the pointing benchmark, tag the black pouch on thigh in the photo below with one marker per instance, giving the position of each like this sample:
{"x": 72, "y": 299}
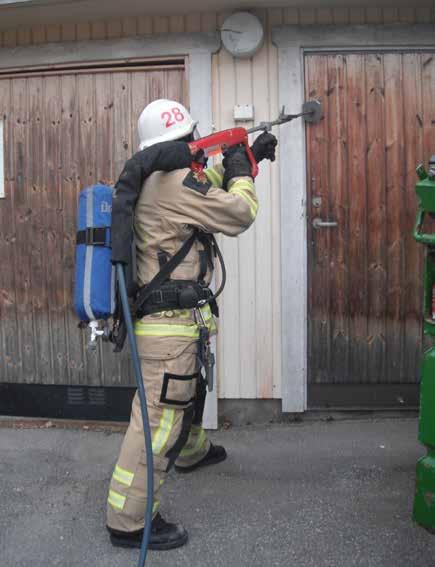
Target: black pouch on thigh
{"x": 178, "y": 390}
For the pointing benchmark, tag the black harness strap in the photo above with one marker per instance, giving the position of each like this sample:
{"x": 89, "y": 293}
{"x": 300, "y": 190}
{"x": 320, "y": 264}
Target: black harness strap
{"x": 165, "y": 272}
{"x": 163, "y": 258}
{"x": 202, "y": 265}
{"x": 94, "y": 236}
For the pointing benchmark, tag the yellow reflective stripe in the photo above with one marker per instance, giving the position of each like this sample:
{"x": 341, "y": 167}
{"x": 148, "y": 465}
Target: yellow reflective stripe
{"x": 197, "y": 447}
{"x": 206, "y": 312}
{"x": 123, "y": 476}
{"x": 243, "y": 192}
{"x": 245, "y": 186}
{"x": 116, "y": 500}
{"x": 214, "y": 177}
{"x": 156, "y": 330}
{"x": 208, "y": 318}
{"x": 161, "y": 435}
{"x": 151, "y": 330}
{"x": 156, "y": 506}
{"x": 190, "y": 330}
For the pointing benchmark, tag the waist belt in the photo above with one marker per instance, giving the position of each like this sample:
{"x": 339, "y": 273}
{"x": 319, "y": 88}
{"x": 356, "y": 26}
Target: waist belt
{"x": 175, "y": 294}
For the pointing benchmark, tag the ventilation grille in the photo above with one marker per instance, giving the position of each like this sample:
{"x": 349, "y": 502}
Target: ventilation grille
{"x": 77, "y": 395}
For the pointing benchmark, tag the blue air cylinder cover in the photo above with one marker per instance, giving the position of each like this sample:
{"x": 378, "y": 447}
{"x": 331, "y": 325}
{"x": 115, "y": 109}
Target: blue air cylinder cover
{"x": 94, "y": 291}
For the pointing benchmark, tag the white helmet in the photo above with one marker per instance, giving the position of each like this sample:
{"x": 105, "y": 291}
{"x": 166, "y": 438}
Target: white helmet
{"x": 163, "y": 120}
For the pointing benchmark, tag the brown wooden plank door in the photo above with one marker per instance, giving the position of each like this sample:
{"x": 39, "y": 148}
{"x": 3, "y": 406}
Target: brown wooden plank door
{"x": 365, "y": 272}
{"x": 62, "y": 132}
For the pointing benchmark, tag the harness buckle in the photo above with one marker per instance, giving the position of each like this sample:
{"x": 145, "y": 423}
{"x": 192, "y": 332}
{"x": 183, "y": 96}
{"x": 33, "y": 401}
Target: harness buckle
{"x": 89, "y": 236}
{"x": 158, "y": 296}
{"x": 96, "y": 236}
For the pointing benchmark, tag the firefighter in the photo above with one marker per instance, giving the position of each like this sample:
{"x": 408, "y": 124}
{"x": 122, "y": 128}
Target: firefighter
{"x": 174, "y": 212}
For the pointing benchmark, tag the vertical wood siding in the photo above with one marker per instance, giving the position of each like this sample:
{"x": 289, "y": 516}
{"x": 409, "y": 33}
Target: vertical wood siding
{"x": 365, "y": 276}
{"x": 62, "y": 133}
{"x": 249, "y": 348}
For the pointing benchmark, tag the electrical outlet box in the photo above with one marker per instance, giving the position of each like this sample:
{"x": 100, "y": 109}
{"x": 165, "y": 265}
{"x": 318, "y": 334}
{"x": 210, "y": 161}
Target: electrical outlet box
{"x": 243, "y": 112}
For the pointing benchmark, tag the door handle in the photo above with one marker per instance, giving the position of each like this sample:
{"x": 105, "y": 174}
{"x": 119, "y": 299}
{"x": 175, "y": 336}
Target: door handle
{"x": 319, "y": 223}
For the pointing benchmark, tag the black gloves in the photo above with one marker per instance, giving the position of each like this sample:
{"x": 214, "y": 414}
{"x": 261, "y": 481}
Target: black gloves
{"x": 264, "y": 147}
{"x": 236, "y": 164}
{"x": 236, "y": 161}
{"x": 165, "y": 156}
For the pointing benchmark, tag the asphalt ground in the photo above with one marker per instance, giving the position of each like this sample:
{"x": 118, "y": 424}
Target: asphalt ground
{"x": 318, "y": 494}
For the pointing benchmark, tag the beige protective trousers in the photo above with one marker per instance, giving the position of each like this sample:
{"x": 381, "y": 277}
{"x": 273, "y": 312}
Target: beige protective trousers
{"x": 174, "y": 393}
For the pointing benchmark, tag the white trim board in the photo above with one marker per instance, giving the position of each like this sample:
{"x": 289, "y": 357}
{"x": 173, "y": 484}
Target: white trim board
{"x": 99, "y": 50}
{"x": 198, "y": 47}
{"x": 293, "y": 42}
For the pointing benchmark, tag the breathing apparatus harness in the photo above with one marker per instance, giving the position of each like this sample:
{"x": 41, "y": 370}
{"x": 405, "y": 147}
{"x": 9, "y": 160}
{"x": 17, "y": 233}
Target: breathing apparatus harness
{"x": 163, "y": 293}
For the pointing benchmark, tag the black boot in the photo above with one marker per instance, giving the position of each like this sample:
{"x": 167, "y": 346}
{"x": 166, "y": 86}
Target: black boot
{"x": 163, "y": 535}
{"x": 215, "y": 455}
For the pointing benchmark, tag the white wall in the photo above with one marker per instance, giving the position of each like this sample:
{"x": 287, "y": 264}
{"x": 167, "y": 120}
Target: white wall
{"x": 249, "y": 343}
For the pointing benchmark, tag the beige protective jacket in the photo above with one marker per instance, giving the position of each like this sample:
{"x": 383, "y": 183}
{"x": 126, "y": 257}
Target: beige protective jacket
{"x": 166, "y": 213}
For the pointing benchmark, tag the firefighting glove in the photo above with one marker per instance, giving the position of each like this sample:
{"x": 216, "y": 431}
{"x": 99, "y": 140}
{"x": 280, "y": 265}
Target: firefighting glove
{"x": 264, "y": 147}
{"x": 165, "y": 156}
{"x": 236, "y": 164}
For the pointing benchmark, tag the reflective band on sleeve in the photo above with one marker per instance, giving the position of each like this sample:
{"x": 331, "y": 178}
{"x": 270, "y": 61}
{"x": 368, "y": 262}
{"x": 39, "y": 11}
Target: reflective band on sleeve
{"x": 246, "y": 186}
{"x": 161, "y": 435}
{"x": 116, "y": 500}
{"x": 214, "y": 177}
{"x": 123, "y": 476}
{"x": 242, "y": 183}
{"x": 202, "y": 438}
{"x": 244, "y": 194}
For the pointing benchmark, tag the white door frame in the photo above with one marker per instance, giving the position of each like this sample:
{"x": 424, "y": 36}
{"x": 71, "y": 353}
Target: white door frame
{"x": 293, "y": 42}
{"x": 198, "y": 47}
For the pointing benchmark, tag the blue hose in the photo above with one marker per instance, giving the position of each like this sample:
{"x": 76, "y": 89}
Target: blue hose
{"x": 143, "y": 405}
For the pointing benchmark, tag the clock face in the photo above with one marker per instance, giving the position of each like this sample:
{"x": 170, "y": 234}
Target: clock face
{"x": 242, "y": 34}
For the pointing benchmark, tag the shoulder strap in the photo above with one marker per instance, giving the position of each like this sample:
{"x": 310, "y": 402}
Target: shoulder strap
{"x": 166, "y": 271}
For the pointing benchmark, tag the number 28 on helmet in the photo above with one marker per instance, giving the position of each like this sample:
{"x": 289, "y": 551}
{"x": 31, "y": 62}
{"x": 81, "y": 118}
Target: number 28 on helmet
{"x": 162, "y": 121}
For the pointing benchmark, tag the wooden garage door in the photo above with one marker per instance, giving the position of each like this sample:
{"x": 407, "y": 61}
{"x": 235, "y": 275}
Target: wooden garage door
{"x": 365, "y": 273}
{"x": 63, "y": 132}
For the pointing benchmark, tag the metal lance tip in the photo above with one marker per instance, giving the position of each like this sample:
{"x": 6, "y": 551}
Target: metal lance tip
{"x": 312, "y": 111}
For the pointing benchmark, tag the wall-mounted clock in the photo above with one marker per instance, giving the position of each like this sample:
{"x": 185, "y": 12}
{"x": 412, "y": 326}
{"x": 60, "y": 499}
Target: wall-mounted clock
{"x": 242, "y": 34}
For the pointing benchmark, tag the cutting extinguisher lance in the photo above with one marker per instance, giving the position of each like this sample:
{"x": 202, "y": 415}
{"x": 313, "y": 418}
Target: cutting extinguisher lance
{"x": 218, "y": 142}
{"x": 310, "y": 108}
